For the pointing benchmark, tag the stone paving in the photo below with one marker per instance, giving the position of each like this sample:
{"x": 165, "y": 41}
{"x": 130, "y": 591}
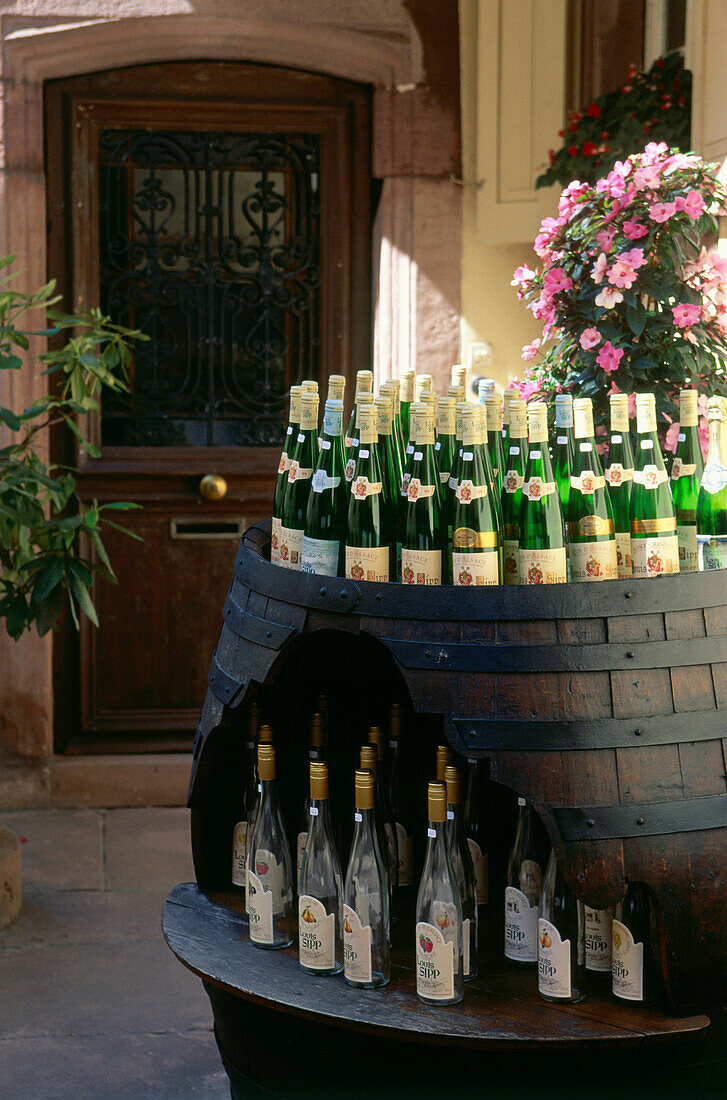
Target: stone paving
{"x": 92, "y": 1002}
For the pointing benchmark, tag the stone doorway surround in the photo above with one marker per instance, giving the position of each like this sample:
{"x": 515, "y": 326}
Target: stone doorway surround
{"x": 408, "y": 51}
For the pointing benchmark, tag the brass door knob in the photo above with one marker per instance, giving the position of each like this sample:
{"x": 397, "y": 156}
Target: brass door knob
{"x": 212, "y": 487}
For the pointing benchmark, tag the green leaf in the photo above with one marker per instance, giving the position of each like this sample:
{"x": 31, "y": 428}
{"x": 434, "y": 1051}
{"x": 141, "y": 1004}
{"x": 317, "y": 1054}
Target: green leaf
{"x": 16, "y": 615}
{"x": 101, "y": 551}
{"x": 10, "y": 419}
{"x": 79, "y": 571}
{"x": 80, "y": 591}
{"x": 10, "y": 362}
{"x": 47, "y": 579}
{"x": 50, "y": 610}
{"x": 120, "y": 506}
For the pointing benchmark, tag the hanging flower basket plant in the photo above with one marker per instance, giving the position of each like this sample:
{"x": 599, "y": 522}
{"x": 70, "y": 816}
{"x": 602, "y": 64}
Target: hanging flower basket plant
{"x": 628, "y": 298}
{"x": 651, "y": 106}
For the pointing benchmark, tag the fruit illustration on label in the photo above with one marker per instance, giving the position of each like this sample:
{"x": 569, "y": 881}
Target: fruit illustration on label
{"x": 307, "y": 916}
{"x": 655, "y": 563}
{"x": 616, "y": 938}
{"x": 274, "y": 540}
{"x": 347, "y": 925}
{"x": 443, "y": 920}
{"x": 545, "y": 940}
{"x": 593, "y": 567}
{"x": 293, "y": 471}
{"x": 357, "y": 572}
{"x": 426, "y": 944}
{"x": 281, "y": 465}
{"x": 408, "y": 575}
{"x": 465, "y": 577}
{"x": 261, "y": 868}
{"x": 535, "y": 575}
{"x": 586, "y": 483}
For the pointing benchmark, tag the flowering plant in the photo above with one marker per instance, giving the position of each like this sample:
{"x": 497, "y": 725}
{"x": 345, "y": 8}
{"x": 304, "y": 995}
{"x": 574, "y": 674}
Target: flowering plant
{"x": 653, "y": 105}
{"x": 628, "y": 299}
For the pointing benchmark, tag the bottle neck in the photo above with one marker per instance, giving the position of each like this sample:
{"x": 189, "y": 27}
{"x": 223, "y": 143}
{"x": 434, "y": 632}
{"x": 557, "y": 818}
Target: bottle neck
{"x": 714, "y": 452}
{"x": 648, "y": 451}
{"x": 363, "y": 822}
{"x": 319, "y": 815}
{"x": 585, "y": 457}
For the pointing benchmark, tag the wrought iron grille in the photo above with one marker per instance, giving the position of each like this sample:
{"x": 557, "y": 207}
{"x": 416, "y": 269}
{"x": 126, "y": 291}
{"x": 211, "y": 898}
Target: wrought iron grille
{"x": 210, "y": 245}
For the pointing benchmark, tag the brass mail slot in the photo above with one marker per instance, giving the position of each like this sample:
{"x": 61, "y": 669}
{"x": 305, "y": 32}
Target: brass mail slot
{"x": 196, "y": 527}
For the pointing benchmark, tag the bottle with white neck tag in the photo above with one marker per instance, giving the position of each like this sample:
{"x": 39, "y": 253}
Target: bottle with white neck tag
{"x": 591, "y": 539}
{"x": 515, "y": 458}
{"x": 424, "y": 531}
{"x": 475, "y": 553}
{"x": 320, "y": 887}
{"x": 390, "y": 389}
{"x": 288, "y": 452}
{"x": 461, "y": 859}
{"x": 494, "y": 439}
{"x": 654, "y": 544}
{"x": 438, "y": 944}
{"x": 522, "y": 891}
{"x": 406, "y": 399}
{"x": 364, "y": 398}
{"x": 269, "y": 880}
{"x": 366, "y": 917}
{"x": 542, "y": 549}
{"x": 686, "y": 477}
{"x": 619, "y": 474}
{"x": 561, "y": 940}
{"x": 446, "y": 438}
{"x": 364, "y": 384}
{"x": 336, "y": 389}
{"x": 297, "y": 492}
{"x": 391, "y": 471}
{"x": 325, "y": 518}
{"x": 712, "y": 500}
{"x": 563, "y": 449}
{"x": 369, "y": 536}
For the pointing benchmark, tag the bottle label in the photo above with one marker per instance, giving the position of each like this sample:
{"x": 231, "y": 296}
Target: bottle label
{"x": 593, "y": 561}
{"x": 367, "y": 563}
{"x": 291, "y": 547}
{"x": 512, "y": 481}
{"x": 616, "y": 474}
{"x": 475, "y": 568}
{"x": 627, "y": 964}
{"x": 239, "y": 840}
{"x": 619, "y": 417}
{"x": 322, "y": 480}
{"x": 299, "y": 849}
{"x": 362, "y": 487}
{"x": 356, "y": 947}
{"x": 587, "y": 482}
{"x": 623, "y": 555}
{"x": 655, "y": 557}
{"x": 553, "y": 961}
{"x": 511, "y": 561}
{"x": 521, "y": 926}
{"x": 714, "y": 478}
{"x": 332, "y": 421}
{"x": 543, "y": 566}
{"x": 598, "y": 940}
{"x": 712, "y": 551}
{"x": 651, "y": 477}
{"x": 403, "y": 843}
{"x": 275, "y": 542}
{"x": 435, "y": 956}
{"x": 415, "y": 490}
{"x": 316, "y": 934}
{"x": 688, "y": 550}
{"x": 682, "y": 469}
{"x": 467, "y": 491}
{"x": 350, "y": 468}
{"x": 259, "y": 901}
{"x": 298, "y": 472}
{"x": 590, "y": 527}
{"x": 421, "y": 566}
{"x": 467, "y": 952}
{"x": 563, "y": 414}
{"x": 284, "y": 463}
{"x": 535, "y": 488}
{"x": 444, "y": 477}
{"x": 319, "y": 556}
{"x": 480, "y": 863}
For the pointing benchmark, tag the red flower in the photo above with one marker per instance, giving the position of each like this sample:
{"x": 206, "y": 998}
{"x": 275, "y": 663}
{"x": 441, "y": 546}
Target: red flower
{"x": 561, "y": 133}
{"x": 589, "y": 148}
{"x": 573, "y": 127}
{"x": 593, "y": 110}
{"x": 604, "y": 135}
{"x": 573, "y": 150}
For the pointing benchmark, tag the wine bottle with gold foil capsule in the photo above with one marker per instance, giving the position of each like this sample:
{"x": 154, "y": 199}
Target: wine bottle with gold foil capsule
{"x": 325, "y": 519}
{"x": 686, "y": 477}
{"x": 424, "y": 531}
{"x": 369, "y": 761}
{"x": 654, "y": 544}
{"x": 391, "y": 471}
{"x": 364, "y": 384}
{"x": 300, "y": 474}
{"x": 320, "y": 886}
{"x": 289, "y": 447}
{"x": 444, "y": 757}
{"x": 445, "y": 438}
{"x": 248, "y": 790}
{"x": 591, "y": 539}
{"x": 366, "y": 917}
{"x": 493, "y": 405}
{"x": 336, "y": 388}
{"x": 376, "y": 738}
{"x": 461, "y": 860}
{"x": 370, "y": 534}
{"x": 264, "y": 737}
{"x": 712, "y": 500}
{"x": 542, "y": 537}
{"x": 269, "y": 897}
{"x": 515, "y": 458}
{"x": 619, "y": 474}
{"x": 406, "y": 400}
{"x": 438, "y": 936}
{"x": 365, "y": 397}
{"x": 475, "y": 553}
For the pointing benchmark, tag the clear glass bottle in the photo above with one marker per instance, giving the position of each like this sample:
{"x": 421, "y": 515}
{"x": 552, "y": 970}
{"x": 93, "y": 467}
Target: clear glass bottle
{"x": 264, "y": 737}
{"x": 249, "y": 783}
{"x": 438, "y": 943}
{"x": 281, "y": 480}
{"x": 320, "y": 886}
{"x": 366, "y": 915}
{"x": 712, "y": 499}
{"x": 591, "y": 537}
{"x": 377, "y": 739}
{"x": 461, "y": 860}
{"x": 424, "y": 530}
{"x": 561, "y": 940}
{"x": 316, "y": 751}
{"x": 369, "y": 761}
{"x": 269, "y": 898}
{"x": 598, "y": 940}
{"x": 325, "y": 519}
{"x": 297, "y": 491}
{"x": 514, "y": 459}
{"x": 542, "y": 551}
{"x": 397, "y": 800}
{"x": 634, "y": 975}
{"x": 369, "y": 535}
{"x": 475, "y": 826}
{"x": 522, "y": 892}
{"x": 619, "y": 474}
{"x": 654, "y": 544}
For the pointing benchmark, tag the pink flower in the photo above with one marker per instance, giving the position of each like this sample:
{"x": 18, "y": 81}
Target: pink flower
{"x": 672, "y": 437}
{"x": 599, "y": 268}
{"x": 692, "y": 204}
{"x": 555, "y": 280}
{"x": 609, "y": 357}
{"x": 634, "y": 256}
{"x": 633, "y": 229}
{"x": 609, "y": 297}
{"x": 654, "y": 149}
{"x": 529, "y": 352}
{"x": 589, "y": 338}
{"x": 647, "y": 177}
{"x": 686, "y": 316}
{"x": 527, "y": 389}
{"x": 632, "y": 405}
{"x": 605, "y": 238}
{"x": 622, "y": 274}
{"x": 522, "y": 276}
{"x": 662, "y": 211}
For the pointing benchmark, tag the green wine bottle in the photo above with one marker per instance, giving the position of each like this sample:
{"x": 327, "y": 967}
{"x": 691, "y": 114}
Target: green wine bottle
{"x": 446, "y": 438}
{"x": 712, "y": 500}
{"x": 542, "y": 536}
{"x": 369, "y": 534}
{"x": 295, "y": 502}
{"x": 591, "y": 539}
{"x": 619, "y": 475}
{"x": 475, "y": 530}
{"x": 325, "y": 518}
{"x": 390, "y": 389}
{"x": 509, "y": 395}
{"x": 686, "y": 477}
{"x": 493, "y": 405}
{"x": 563, "y": 450}
{"x": 391, "y": 471}
{"x": 654, "y": 545}
{"x": 406, "y": 397}
{"x": 365, "y": 397}
{"x": 512, "y": 483}
{"x": 424, "y": 532}
{"x": 364, "y": 384}
{"x": 291, "y": 437}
